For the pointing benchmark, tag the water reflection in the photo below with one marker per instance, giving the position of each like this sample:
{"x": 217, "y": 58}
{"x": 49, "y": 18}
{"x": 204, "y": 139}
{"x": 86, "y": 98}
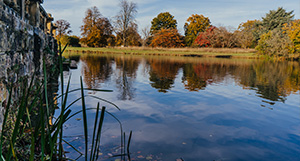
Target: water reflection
{"x": 196, "y": 76}
{"x": 272, "y": 80}
{"x": 163, "y": 73}
{"x": 126, "y": 74}
{"x": 199, "y": 109}
{"x": 96, "y": 70}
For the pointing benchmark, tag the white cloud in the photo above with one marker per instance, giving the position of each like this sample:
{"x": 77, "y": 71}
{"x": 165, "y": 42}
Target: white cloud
{"x": 227, "y": 13}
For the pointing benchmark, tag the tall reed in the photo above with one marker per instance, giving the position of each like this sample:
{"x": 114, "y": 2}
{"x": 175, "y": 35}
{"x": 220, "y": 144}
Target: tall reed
{"x": 29, "y": 118}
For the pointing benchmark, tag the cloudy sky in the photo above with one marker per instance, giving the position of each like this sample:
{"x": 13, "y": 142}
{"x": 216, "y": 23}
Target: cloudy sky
{"x": 220, "y": 12}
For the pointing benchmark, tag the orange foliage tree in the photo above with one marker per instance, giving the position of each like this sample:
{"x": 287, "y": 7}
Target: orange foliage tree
{"x": 96, "y": 29}
{"x": 204, "y": 39}
{"x": 167, "y": 38}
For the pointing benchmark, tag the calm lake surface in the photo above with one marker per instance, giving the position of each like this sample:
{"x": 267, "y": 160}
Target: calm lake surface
{"x": 192, "y": 108}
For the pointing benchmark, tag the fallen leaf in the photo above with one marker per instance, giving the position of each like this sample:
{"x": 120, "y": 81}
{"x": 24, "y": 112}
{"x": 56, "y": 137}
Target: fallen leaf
{"x": 149, "y": 158}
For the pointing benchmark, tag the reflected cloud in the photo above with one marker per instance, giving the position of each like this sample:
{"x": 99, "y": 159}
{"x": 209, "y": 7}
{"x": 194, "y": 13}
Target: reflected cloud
{"x": 201, "y": 108}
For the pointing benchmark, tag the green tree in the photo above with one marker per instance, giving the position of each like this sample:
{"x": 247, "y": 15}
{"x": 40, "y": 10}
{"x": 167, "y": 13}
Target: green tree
{"x": 74, "y": 41}
{"x": 96, "y": 28}
{"x": 125, "y": 19}
{"x": 163, "y": 21}
{"x": 70, "y": 40}
{"x": 276, "y": 19}
{"x": 194, "y": 25}
{"x": 272, "y": 39}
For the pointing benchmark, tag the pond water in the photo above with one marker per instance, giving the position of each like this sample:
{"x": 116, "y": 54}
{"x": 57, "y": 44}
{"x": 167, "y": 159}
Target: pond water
{"x": 192, "y": 108}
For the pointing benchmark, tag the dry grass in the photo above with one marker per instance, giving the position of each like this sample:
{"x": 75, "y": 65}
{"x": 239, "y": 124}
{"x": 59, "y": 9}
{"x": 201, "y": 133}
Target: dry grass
{"x": 192, "y": 52}
{"x": 209, "y": 50}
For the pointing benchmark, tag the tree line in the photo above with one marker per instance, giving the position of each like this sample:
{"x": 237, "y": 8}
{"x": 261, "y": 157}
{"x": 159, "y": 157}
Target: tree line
{"x": 276, "y": 34}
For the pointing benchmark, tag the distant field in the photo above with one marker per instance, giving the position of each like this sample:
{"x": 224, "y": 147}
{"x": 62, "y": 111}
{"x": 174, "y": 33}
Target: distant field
{"x": 192, "y": 52}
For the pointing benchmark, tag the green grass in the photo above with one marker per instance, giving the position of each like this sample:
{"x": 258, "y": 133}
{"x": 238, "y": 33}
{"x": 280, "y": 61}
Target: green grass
{"x": 205, "y": 52}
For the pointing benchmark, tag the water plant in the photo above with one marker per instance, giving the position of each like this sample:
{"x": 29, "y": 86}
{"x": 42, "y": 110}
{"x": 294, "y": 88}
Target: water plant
{"x": 29, "y": 131}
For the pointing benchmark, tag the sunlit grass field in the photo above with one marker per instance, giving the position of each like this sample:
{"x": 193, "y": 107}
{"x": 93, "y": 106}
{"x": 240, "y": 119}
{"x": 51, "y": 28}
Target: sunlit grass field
{"x": 196, "y": 52}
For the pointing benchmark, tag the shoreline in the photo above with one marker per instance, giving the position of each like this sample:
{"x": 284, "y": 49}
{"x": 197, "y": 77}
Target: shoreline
{"x": 180, "y": 52}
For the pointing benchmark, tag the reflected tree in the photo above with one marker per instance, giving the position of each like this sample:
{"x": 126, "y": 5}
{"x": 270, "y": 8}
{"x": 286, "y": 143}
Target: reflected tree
{"x": 195, "y": 76}
{"x": 163, "y": 73}
{"x": 96, "y": 70}
{"x": 125, "y": 77}
{"x": 274, "y": 80}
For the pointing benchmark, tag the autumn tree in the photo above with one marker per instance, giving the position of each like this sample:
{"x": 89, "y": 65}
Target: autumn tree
{"x": 220, "y": 37}
{"x": 163, "y": 21}
{"x": 225, "y": 38}
{"x": 133, "y": 37}
{"x": 125, "y": 19}
{"x": 293, "y": 31}
{"x": 63, "y": 28}
{"x": 194, "y": 25}
{"x": 206, "y": 39}
{"x": 96, "y": 29}
{"x": 274, "y": 43}
{"x": 246, "y": 34}
{"x": 167, "y": 38}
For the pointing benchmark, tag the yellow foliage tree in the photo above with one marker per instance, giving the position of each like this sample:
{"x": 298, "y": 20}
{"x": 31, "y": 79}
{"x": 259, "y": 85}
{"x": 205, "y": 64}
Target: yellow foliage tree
{"x": 194, "y": 25}
{"x": 293, "y": 31}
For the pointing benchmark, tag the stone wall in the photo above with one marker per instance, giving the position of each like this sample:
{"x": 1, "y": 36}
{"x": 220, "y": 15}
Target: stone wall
{"x": 26, "y": 29}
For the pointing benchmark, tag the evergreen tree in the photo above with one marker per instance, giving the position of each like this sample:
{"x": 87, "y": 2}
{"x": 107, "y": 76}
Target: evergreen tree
{"x": 276, "y": 19}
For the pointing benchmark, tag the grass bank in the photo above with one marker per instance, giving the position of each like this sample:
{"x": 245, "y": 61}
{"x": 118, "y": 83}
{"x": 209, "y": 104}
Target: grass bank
{"x": 188, "y": 52}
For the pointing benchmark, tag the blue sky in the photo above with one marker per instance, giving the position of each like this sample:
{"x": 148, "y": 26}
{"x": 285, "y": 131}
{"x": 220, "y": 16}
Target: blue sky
{"x": 220, "y": 12}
